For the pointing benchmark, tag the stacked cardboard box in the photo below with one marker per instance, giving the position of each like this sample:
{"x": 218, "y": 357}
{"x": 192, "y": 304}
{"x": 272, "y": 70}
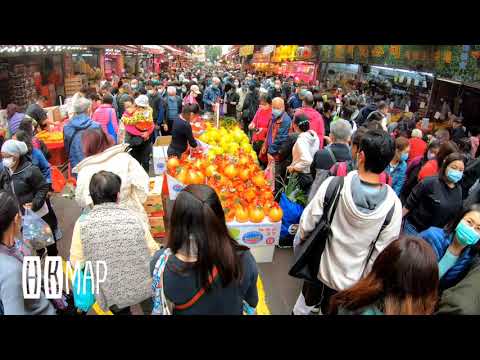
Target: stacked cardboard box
{"x": 154, "y": 208}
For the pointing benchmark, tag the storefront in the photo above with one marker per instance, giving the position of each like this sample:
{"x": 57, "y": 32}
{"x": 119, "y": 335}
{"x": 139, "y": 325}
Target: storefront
{"x": 27, "y": 70}
{"x": 113, "y": 62}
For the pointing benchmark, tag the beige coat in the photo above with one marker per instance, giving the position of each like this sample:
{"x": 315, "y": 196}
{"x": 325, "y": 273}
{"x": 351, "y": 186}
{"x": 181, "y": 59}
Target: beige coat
{"x": 135, "y": 181}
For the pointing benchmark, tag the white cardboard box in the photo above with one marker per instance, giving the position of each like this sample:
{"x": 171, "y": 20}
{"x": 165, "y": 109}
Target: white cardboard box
{"x": 254, "y": 235}
{"x": 160, "y": 159}
{"x": 263, "y": 254}
{"x": 174, "y": 187}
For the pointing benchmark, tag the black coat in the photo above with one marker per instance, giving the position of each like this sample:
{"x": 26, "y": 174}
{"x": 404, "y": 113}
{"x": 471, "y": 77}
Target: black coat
{"x": 250, "y": 106}
{"x": 28, "y": 183}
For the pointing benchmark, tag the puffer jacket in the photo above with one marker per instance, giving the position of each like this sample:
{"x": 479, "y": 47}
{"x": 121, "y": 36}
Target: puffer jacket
{"x": 210, "y": 96}
{"x": 72, "y": 135}
{"x": 440, "y": 241}
{"x": 398, "y": 175}
{"x": 28, "y": 182}
{"x": 134, "y": 189}
{"x": 303, "y": 151}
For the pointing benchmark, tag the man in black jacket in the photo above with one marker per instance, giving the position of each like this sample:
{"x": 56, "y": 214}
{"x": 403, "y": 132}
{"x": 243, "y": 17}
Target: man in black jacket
{"x": 338, "y": 151}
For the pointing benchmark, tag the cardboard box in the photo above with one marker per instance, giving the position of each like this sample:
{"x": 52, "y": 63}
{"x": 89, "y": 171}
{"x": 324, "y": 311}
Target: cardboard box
{"x": 154, "y": 203}
{"x": 54, "y": 113}
{"x": 263, "y": 254}
{"x": 174, "y": 187}
{"x": 157, "y": 226}
{"x": 160, "y": 156}
{"x": 254, "y": 235}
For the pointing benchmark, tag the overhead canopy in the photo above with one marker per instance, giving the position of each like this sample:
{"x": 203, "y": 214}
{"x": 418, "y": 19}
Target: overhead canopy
{"x": 153, "y": 49}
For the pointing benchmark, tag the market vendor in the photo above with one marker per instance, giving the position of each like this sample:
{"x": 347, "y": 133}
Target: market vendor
{"x": 36, "y": 112}
{"x": 182, "y": 134}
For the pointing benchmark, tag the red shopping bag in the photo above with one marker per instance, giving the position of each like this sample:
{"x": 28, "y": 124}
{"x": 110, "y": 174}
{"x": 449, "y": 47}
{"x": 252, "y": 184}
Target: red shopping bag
{"x": 58, "y": 180}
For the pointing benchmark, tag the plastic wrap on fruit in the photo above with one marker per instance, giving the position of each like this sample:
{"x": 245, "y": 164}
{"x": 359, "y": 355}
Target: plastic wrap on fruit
{"x": 36, "y": 231}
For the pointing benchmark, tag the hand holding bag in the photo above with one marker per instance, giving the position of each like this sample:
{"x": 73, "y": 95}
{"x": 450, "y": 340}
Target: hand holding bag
{"x": 307, "y": 254}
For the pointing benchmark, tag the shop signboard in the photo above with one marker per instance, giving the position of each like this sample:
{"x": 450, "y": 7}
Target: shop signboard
{"x": 246, "y": 50}
{"x": 260, "y": 57}
{"x": 268, "y": 49}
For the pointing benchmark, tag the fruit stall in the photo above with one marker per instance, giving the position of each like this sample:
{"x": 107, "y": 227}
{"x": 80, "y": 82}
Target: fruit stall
{"x": 53, "y": 136}
{"x": 227, "y": 162}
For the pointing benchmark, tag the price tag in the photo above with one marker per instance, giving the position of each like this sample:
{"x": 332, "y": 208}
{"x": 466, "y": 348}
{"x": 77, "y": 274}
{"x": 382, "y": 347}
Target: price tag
{"x": 416, "y": 82}
{"x": 425, "y": 84}
{"x": 425, "y": 122}
{"x": 437, "y": 115}
{"x": 422, "y": 105}
{"x": 400, "y": 80}
{"x": 409, "y": 81}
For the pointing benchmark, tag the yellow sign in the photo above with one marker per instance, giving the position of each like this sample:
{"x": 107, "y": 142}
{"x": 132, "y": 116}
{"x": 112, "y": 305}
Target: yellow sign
{"x": 246, "y": 50}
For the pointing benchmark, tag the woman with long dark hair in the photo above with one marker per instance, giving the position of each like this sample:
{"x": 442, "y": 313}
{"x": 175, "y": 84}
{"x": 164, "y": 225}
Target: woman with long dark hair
{"x": 12, "y": 301}
{"x": 403, "y": 281}
{"x": 455, "y": 245}
{"x": 207, "y": 271}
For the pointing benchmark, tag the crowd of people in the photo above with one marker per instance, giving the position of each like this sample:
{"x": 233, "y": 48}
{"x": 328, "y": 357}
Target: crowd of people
{"x": 402, "y": 203}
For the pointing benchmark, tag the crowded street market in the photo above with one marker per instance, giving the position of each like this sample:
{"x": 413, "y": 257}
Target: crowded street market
{"x": 240, "y": 179}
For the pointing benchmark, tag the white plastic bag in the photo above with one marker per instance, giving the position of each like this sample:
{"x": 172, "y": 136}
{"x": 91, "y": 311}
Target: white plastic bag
{"x": 36, "y": 230}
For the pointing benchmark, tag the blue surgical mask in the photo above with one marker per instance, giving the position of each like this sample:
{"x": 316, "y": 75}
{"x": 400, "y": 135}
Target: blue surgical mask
{"x": 276, "y": 113}
{"x": 454, "y": 175}
{"x": 404, "y": 157}
{"x": 466, "y": 235}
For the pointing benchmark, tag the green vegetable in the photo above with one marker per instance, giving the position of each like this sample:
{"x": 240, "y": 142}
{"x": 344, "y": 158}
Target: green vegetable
{"x": 292, "y": 190}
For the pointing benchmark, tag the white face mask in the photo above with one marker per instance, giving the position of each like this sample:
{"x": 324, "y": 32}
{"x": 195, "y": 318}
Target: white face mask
{"x": 8, "y": 162}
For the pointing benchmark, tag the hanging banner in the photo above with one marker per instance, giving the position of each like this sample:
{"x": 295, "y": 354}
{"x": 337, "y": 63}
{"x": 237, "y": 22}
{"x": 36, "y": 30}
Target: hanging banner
{"x": 246, "y": 50}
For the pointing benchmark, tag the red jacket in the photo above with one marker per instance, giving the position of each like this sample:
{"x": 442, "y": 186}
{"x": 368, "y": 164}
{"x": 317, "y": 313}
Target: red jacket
{"x": 417, "y": 148}
{"x": 316, "y": 121}
{"x": 261, "y": 120}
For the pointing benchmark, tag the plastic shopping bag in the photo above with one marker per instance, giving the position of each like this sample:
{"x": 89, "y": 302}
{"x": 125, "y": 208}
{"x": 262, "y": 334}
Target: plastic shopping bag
{"x": 83, "y": 296}
{"x": 58, "y": 180}
{"x": 291, "y": 217}
{"x": 270, "y": 174}
{"x": 36, "y": 231}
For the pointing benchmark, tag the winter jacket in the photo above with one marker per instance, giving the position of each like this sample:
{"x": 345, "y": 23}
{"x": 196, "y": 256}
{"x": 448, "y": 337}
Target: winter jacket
{"x": 39, "y": 160}
{"x": 232, "y": 97}
{"x": 261, "y": 120}
{"x": 135, "y": 181}
{"x": 418, "y": 147}
{"x": 283, "y": 125}
{"x": 316, "y": 121}
{"x": 294, "y": 102}
{"x": 303, "y": 151}
{"x": 103, "y": 115}
{"x": 344, "y": 259}
{"x": 12, "y": 301}
{"x": 470, "y": 176}
{"x": 429, "y": 169}
{"x": 364, "y": 113}
{"x": 14, "y": 122}
{"x": 155, "y": 102}
{"x": 242, "y": 95}
{"x": 250, "y": 105}
{"x": 440, "y": 241}
{"x": 323, "y": 160}
{"x": 72, "y": 135}
{"x": 28, "y": 184}
{"x": 165, "y": 108}
{"x": 464, "y": 297}
{"x": 398, "y": 174}
{"x": 210, "y": 97}
{"x": 120, "y": 100}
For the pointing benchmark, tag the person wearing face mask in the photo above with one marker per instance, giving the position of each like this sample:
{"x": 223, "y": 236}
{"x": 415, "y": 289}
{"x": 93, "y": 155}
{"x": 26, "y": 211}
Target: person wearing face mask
{"x": 212, "y": 95}
{"x": 232, "y": 101}
{"x": 277, "y": 90}
{"x": 398, "y": 166}
{"x": 172, "y": 105}
{"x": 26, "y": 182}
{"x": 191, "y": 98}
{"x": 12, "y": 301}
{"x": 277, "y": 134}
{"x": 455, "y": 245}
{"x": 432, "y": 166}
{"x": 416, "y": 164}
{"x": 260, "y": 122}
{"x": 435, "y": 200}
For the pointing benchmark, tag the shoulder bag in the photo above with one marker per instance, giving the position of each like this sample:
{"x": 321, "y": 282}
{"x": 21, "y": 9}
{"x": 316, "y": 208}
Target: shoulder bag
{"x": 308, "y": 253}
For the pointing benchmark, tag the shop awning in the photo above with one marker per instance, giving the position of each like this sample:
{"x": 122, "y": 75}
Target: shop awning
{"x": 172, "y": 49}
{"x": 153, "y": 49}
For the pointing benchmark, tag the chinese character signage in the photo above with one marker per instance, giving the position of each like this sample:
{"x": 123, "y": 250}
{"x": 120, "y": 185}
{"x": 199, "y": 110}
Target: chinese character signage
{"x": 246, "y": 50}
